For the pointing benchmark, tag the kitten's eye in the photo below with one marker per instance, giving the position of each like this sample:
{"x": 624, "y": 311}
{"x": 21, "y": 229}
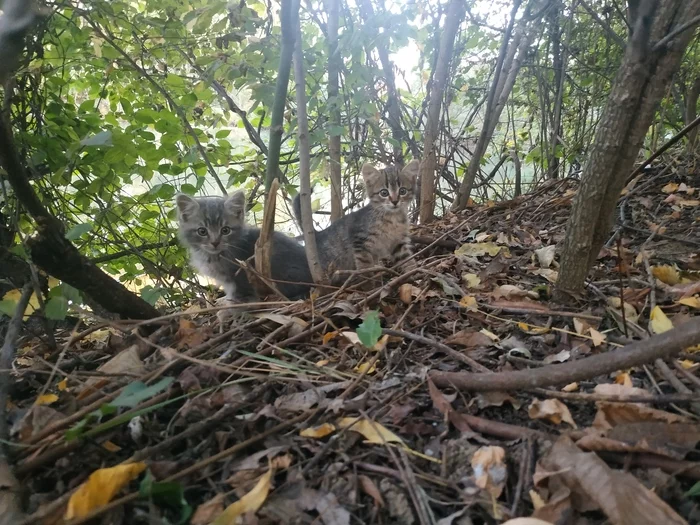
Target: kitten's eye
{"x": 202, "y": 232}
{"x": 403, "y": 191}
{"x": 225, "y": 230}
{"x": 384, "y": 193}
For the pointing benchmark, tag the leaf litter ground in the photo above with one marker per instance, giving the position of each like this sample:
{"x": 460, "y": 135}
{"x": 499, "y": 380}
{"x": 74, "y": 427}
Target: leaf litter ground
{"x": 325, "y": 411}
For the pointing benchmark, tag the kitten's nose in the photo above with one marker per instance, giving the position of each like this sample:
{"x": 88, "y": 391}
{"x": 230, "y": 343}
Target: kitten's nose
{"x": 395, "y": 202}
{"x": 215, "y": 243}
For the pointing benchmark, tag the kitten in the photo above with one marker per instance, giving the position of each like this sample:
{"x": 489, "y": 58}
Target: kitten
{"x": 378, "y": 231}
{"x": 215, "y": 233}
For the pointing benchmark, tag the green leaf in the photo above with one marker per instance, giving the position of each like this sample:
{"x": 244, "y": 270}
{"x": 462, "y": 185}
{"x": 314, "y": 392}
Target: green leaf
{"x": 166, "y": 494}
{"x": 103, "y": 138}
{"x": 223, "y": 133}
{"x": 151, "y": 294}
{"x": 56, "y": 308}
{"x": 694, "y": 491}
{"x": 370, "y": 330}
{"x": 77, "y": 231}
{"x": 8, "y": 307}
{"x": 137, "y": 391}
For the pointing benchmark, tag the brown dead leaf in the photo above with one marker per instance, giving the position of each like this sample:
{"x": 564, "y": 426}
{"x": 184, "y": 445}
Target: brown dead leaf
{"x": 326, "y": 504}
{"x": 613, "y": 389}
{"x": 552, "y": 410}
{"x": 490, "y": 472}
{"x": 369, "y": 488}
{"x": 189, "y": 334}
{"x": 469, "y": 339}
{"x": 619, "y": 495}
{"x": 127, "y": 362}
{"x": 207, "y": 511}
{"x": 612, "y": 414}
{"x": 510, "y": 291}
{"x": 405, "y": 293}
{"x": 495, "y": 399}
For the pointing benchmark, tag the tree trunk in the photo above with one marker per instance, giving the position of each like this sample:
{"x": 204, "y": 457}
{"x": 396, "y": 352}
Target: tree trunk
{"x": 455, "y": 13}
{"x": 393, "y": 105}
{"x": 691, "y": 113}
{"x": 288, "y": 10}
{"x": 305, "y": 162}
{"x": 510, "y": 58}
{"x": 334, "y": 61}
{"x": 640, "y": 83}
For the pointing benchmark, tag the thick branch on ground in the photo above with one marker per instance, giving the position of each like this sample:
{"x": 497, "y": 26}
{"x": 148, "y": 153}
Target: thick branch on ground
{"x": 289, "y": 12}
{"x": 453, "y": 18}
{"x": 334, "y": 63}
{"x": 57, "y": 256}
{"x": 305, "y": 162}
{"x": 639, "y": 86}
{"x": 660, "y": 346}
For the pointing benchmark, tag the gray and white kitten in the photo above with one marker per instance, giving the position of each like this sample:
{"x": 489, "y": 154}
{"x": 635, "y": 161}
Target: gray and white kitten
{"x": 376, "y": 232}
{"x": 215, "y": 233}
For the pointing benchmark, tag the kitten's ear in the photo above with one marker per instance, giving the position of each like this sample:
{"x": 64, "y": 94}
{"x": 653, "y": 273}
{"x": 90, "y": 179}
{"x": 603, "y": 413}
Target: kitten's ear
{"x": 235, "y": 203}
{"x": 186, "y": 205}
{"x": 410, "y": 171}
{"x": 369, "y": 172}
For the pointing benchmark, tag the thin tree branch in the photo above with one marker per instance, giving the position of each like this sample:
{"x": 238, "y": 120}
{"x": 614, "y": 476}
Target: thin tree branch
{"x": 673, "y": 34}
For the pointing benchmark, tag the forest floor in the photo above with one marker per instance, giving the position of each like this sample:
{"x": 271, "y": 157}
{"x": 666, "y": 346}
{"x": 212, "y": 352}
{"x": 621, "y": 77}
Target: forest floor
{"x": 325, "y": 412}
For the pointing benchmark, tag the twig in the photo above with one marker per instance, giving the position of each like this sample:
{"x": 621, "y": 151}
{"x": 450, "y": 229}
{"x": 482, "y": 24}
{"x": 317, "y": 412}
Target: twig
{"x": 435, "y": 344}
{"x": 660, "y": 346}
{"x": 592, "y": 398}
{"x": 7, "y": 354}
{"x": 673, "y": 34}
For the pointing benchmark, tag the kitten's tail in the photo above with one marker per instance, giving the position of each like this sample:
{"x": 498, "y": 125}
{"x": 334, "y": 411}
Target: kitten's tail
{"x": 296, "y": 207}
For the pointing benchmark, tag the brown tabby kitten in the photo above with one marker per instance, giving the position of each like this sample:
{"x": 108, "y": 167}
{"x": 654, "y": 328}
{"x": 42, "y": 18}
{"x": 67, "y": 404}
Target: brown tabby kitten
{"x": 376, "y": 232}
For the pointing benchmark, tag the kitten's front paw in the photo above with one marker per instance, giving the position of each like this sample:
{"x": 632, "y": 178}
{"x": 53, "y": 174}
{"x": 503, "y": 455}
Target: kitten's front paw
{"x": 228, "y": 315}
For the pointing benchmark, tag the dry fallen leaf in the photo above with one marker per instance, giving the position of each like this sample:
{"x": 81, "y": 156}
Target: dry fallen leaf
{"x": 366, "y": 368}
{"x": 250, "y": 502}
{"x": 63, "y": 385}
{"x": 490, "y": 472}
{"x": 666, "y": 274}
{"x": 671, "y": 187}
{"x": 471, "y": 280}
{"x": 532, "y": 329}
{"x": 551, "y": 409}
{"x": 100, "y": 488}
{"x": 406, "y": 293}
{"x": 595, "y": 485}
{"x": 469, "y": 339}
{"x": 318, "y": 432}
{"x": 373, "y": 432}
{"x": 370, "y": 488}
{"x": 545, "y": 255}
{"x": 658, "y": 322}
{"x": 208, "y": 510}
{"x": 46, "y": 399}
{"x": 189, "y": 334}
{"x": 623, "y": 379}
{"x": 480, "y": 249}
{"x": 693, "y": 302}
{"x": 571, "y": 387}
{"x": 597, "y": 337}
{"x": 468, "y": 302}
{"x": 509, "y": 291}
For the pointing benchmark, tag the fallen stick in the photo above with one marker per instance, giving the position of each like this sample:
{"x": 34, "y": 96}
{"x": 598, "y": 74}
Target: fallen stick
{"x": 660, "y": 346}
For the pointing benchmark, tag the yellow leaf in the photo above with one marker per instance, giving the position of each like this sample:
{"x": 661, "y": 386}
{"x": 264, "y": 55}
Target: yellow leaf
{"x": 624, "y": 379}
{"x": 597, "y": 337}
{"x": 250, "y": 502}
{"x": 666, "y": 274}
{"x": 671, "y": 187}
{"x": 688, "y": 202}
{"x": 108, "y": 445}
{"x": 471, "y": 280}
{"x": 322, "y": 362}
{"x": 490, "y": 335}
{"x": 693, "y": 302}
{"x": 537, "y": 501}
{"x": 480, "y": 249}
{"x": 46, "y": 399}
{"x": 319, "y": 431}
{"x": 371, "y": 430}
{"x": 328, "y": 336}
{"x": 14, "y": 295}
{"x": 687, "y": 364}
{"x": 63, "y": 385}
{"x": 552, "y": 410}
{"x": 532, "y": 329}
{"x": 571, "y": 387}
{"x": 468, "y": 302}
{"x": 365, "y": 368}
{"x": 100, "y": 488}
{"x": 659, "y": 323}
